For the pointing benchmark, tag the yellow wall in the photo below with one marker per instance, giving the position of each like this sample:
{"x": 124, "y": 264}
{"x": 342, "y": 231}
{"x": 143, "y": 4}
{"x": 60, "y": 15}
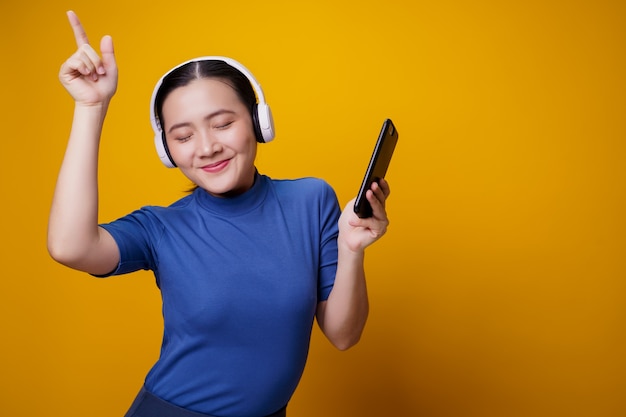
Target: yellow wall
{"x": 499, "y": 289}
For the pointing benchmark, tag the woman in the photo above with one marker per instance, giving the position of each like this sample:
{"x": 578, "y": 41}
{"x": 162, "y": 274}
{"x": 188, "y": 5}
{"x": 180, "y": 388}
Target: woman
{"x": 244, "y": 263}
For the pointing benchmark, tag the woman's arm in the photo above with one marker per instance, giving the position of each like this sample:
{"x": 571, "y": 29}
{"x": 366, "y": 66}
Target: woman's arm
{"x": 342, "y": 317}
{"x": 74, "y": 238}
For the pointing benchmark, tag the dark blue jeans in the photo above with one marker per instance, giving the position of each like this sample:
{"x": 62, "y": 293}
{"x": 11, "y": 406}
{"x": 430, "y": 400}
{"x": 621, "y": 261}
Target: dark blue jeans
{"x": 149, "y": 405}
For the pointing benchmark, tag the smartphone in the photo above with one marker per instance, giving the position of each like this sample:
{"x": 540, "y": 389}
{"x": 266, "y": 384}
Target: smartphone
{"x": 377, "y": 167}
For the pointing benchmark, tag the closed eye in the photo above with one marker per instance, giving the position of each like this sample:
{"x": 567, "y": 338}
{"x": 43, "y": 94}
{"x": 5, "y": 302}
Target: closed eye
{"x": 225, "y": 125}
{"x": 183, "y": 139}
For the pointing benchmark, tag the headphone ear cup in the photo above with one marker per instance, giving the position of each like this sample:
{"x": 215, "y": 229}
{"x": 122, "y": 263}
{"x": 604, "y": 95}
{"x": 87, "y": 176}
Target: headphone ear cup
{"x": 264, "y": 123}
{"x": 255, "y": 124}
{"x": 162, "y": 151}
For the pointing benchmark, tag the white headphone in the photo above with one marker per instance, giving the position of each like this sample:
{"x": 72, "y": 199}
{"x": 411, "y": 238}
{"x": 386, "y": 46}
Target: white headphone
{"x": 262, "y": 120}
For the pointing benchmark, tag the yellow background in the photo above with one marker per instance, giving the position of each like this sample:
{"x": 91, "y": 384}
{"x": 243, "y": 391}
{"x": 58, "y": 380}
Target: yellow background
{"x": 499, "y": 288}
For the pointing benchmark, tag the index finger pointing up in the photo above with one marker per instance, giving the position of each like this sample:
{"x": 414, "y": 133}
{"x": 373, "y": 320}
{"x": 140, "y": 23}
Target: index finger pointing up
{"x": 77, "y": 27}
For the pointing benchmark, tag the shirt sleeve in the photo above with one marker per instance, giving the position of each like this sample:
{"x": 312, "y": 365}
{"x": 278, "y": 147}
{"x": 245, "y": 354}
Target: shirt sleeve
{"x": 329, "y": 230}
{"x": 135, "y": 235}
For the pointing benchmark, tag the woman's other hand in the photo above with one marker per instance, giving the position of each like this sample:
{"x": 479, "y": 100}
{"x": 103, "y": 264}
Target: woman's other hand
{"x": 89, "y": 79}
{"x": 357, "y": 233}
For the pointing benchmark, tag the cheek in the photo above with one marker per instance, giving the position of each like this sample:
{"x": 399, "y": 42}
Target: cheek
{"x": 178, "y": 151}
{"x": 242, "y": 139}
{"x": 251, "y": 147}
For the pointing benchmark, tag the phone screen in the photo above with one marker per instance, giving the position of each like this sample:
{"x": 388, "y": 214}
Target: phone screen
{"x": 377, "y": 167}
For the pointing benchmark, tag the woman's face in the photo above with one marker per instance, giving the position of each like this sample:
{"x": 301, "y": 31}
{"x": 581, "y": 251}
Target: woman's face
{"x": 210, "y": 136}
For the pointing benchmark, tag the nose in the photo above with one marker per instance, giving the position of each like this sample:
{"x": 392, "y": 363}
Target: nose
{"x": 207, "y": 145}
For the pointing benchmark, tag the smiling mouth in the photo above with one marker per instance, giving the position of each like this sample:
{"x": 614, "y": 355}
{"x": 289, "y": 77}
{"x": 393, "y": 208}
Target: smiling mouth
{"x": 216, "y": 167}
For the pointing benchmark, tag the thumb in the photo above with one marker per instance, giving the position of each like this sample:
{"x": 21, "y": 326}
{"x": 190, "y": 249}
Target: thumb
{"x": 108, "y": 54}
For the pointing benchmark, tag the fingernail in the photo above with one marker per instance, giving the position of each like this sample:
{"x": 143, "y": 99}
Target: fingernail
{"x": 101, "y": 70}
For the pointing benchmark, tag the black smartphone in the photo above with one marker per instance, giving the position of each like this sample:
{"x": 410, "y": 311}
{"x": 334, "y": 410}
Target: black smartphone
{"x": 377, "y": 168}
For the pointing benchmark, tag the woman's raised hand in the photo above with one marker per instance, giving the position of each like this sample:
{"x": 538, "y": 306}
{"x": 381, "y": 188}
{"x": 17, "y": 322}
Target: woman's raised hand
{"x": 356, "y": 233}
{"x": 90, "y": 79}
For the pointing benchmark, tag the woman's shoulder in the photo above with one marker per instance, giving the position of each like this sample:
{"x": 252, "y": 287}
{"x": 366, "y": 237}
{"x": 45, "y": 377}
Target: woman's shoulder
{"x": 156, "y": 212}
{"x": 305, "y": 189}
{"x": 303, "y": 184}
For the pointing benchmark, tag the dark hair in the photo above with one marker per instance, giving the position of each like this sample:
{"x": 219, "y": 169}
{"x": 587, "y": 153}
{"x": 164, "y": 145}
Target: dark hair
{"x": 196, "y": 70}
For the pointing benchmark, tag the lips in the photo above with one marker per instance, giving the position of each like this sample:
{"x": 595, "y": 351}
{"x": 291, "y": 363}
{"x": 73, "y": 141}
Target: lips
{"x": 216, "y": 167}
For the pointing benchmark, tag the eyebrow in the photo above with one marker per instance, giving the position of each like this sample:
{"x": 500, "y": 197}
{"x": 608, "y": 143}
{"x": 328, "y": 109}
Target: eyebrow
{"x": 207, "y": 117}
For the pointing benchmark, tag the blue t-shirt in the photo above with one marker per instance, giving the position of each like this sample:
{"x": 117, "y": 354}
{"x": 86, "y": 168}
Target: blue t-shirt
{"x": 240, "y": 280}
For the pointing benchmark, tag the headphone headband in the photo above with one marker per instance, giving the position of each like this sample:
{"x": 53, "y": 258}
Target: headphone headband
{"x": 261, "y": 114}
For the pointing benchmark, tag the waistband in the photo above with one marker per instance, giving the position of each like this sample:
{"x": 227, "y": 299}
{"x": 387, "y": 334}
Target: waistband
{"x": 147, "y": 404}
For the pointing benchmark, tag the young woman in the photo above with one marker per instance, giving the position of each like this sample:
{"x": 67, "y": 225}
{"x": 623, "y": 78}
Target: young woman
{"x": 244, "y": 262}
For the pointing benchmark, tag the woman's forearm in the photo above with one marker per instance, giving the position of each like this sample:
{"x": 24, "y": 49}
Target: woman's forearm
{"x": 343, "y": 316}
{"x": 73, "y": 229}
